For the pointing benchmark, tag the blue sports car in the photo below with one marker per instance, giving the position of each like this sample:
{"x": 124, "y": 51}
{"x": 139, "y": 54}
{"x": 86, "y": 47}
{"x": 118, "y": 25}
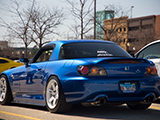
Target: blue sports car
{"x": 95, "y": 72}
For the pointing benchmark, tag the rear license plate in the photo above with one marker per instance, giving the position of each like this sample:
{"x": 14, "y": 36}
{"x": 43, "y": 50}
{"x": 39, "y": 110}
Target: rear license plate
{"x": 128, "y": 87}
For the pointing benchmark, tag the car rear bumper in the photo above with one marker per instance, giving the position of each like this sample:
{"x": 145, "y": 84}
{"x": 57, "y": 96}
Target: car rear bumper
{"x": 81, "y": 89}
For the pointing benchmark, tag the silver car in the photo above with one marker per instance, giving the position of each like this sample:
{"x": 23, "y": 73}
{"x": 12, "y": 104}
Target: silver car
{"x": 151, "y": 52}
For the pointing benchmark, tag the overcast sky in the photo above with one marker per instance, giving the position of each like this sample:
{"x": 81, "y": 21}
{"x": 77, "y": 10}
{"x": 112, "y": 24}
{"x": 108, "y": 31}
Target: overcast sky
{"x": 141, "y": 7}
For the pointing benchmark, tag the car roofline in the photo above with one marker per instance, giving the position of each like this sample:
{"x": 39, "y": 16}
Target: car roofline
{"x": 157, "y": 41}
{"x": 77, "y": 41}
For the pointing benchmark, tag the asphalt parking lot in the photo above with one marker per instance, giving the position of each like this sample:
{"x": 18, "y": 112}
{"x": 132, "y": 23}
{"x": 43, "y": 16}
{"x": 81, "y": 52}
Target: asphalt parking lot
{"x": 110, "y": 112}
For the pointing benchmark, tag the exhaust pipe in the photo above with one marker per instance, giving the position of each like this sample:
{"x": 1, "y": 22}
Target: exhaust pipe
{"x": 149, "y": 99}
{"x": 100, "y": 101}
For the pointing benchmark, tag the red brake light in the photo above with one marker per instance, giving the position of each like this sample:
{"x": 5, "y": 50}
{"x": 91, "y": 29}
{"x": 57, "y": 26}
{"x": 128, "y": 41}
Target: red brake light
{"x": 84, "y": 70}
{"x": 91, "y": 70}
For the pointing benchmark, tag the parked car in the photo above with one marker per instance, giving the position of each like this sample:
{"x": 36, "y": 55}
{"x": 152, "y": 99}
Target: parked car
{"x": 6, "y": 64}
{"x": 97, "y": 72}
{"x": 151, "y": 52}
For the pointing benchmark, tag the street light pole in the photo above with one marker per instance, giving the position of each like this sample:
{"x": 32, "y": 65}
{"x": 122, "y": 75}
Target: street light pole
{"x": 94, "y": 19}
{"x": 131, "y": 11}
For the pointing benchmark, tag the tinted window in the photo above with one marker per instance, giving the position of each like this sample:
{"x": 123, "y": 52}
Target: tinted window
{"x": 3, "y": 61}
{"x": 82, "y": 50}
{"x": 43, "y": 54}
{"x": 151, "y": 52}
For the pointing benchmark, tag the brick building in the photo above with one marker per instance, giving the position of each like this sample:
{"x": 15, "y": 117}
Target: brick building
{"x": 116, "y": 31}
{"x": 132, "y": 34}
{"x": 3, "y": 45}
{"x": 142, "y": 31}
{"x": 14, "y": 53}
{"x": 4, "y": 49}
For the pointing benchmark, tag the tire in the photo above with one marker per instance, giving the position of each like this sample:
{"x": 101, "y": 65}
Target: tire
{"x": 5, "y": 91}
{"x": 138, "y": 106}
{"x": 54, "y": 97}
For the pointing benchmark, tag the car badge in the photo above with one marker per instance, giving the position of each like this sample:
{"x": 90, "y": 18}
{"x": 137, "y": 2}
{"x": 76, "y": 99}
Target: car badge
{"x": 138, "y": 71}
{"x": 126, "y": 68}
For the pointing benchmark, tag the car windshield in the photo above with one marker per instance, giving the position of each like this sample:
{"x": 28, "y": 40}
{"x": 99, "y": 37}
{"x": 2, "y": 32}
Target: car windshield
{"x": 84, "y": 50}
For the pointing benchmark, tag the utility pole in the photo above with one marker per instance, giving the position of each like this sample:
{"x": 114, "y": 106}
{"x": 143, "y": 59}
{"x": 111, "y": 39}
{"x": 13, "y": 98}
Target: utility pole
{"x": 94, "y": 19}
{"x": 131, "y": 11}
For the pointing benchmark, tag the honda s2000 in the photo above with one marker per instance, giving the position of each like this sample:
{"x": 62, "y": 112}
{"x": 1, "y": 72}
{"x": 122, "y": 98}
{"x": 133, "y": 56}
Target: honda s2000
{"x": 96, "y": 72}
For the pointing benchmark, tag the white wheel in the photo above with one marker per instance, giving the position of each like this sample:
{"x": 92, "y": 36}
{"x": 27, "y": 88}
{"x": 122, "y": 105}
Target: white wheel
{"x": 5, "y": 92}
{"x": 54, "y": 96}
{"x": 3, "y": 89}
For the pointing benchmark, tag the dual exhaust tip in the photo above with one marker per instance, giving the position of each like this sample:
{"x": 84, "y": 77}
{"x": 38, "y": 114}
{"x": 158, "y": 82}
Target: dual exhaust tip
{"x": 102, "y": 100}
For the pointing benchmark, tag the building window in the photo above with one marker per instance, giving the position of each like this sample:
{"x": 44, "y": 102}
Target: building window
{"x": 133, "y": 28}
{"x": 134, "y": 23}
{"x": 147, "y": 26}
{"x": 124, "y": 41}
{"x": 108, "y": 16}
{"x": 147, "y": 21}
{"x": 120, "y": 29}
{"x": 132, "y": 40}
{"x": 116, "y": 30}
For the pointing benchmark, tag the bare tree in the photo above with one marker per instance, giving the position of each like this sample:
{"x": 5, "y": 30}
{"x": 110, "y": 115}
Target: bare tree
{"x": 82, "y": 10}
{"x": 111, "y": 28}
{"x": 157, "y": 33}
{"x": 75, "y": 29}
{"x": 44, "y": 22}
{"x": 146, "y": 35}
{"x": 32, "y": 23}
{"x": 115, "y": 29}
{"x": 141, "y": 37}
{"x": 19, "y": 28}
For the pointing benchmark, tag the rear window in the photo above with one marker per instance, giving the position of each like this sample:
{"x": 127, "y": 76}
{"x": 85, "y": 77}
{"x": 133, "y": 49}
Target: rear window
{"x": 84, "y": 50}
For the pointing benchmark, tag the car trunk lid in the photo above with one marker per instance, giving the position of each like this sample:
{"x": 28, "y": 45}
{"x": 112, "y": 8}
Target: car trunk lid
{"x": 124, "y": 67}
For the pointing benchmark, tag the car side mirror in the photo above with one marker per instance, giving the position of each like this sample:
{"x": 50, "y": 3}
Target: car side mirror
{"x": 25, "y": 61}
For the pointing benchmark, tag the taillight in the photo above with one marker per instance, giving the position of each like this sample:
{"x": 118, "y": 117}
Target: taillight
{"x": 84, "y": 70}
{"x": 94, "y": 71}
{"x": 151, "y": 70}
{"x": 91, "y": 70}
